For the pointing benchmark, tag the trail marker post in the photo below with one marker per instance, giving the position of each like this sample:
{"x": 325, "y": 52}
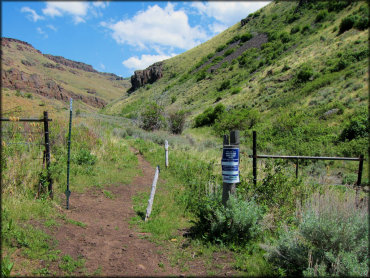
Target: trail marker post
{"x": 166, "y": 152}
{"x": 68, "y": 192}
{"x": 152, "y": 193}
{"x": 230, "y": 165}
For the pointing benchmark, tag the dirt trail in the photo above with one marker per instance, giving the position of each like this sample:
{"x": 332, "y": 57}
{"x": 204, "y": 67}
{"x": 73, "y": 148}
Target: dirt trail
{"x": 107, "y": 242}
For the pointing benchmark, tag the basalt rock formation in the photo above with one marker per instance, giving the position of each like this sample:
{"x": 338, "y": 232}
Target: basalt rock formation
{"x": 69, "y": 63}
{"x": 147, "y": 76}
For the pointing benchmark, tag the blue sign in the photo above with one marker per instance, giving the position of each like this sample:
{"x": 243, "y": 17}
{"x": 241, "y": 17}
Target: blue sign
{"x": 230, "y": 165}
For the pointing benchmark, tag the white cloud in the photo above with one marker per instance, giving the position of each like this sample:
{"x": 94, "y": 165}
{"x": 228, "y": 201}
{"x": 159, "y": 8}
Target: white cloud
{"x": 136, "y": 63}
{"x": 157, "y": 26}
{"x": 52, "y": 27}
{"x": 78, "y": 10}
{"x": 41, "y": 32}
{"x": 216, "y": 27}
{"x": 102, "y": 66}
{"x": 228, "y": 12}
{"x": 100, "y": 4}
{"x": 32, "y": 15}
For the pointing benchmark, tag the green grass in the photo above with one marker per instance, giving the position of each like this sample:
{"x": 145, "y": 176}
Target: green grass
{"x": 77, "y": 223}
{"x": 108, "y": 194}
{"x": 70, "y": 265}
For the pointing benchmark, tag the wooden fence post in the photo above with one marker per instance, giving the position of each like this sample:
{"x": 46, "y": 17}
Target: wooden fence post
{"x": 47, "y": 153}
{"x": 254, "y": 157}
{"x": 152, "y": 193}
{"x": 359, "y": 178}
{"x": 230, "y": 165}
{"x": 360, "y": 167}
{"x": 166, "y": 152}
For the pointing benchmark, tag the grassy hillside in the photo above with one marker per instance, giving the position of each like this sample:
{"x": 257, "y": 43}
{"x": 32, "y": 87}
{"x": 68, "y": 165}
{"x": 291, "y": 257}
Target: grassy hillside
{"x": 75, "y": 77}
{"x": 307, "y": 82}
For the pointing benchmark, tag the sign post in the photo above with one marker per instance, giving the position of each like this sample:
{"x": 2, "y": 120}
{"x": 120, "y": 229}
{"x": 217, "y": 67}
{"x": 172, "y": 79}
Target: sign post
{"x": 230, "y": 165}
{"x": 68, "y": 192}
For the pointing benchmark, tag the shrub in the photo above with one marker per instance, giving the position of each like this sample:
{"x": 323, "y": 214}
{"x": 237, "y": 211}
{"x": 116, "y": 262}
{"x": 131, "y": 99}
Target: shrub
{"x": 305, "y": 29}
{"x": 152, "y": 117}
{"x": 239, "y": 119}
{"x": 224, "y": 85}
{"x": 210, "y": 55}
{"x": 84, "y": 157}
{"x": 220, "y": 48}
{"x": 331, "y": 239}
{"x": 236, "y": 90}
{"x": 177, "y": 121}
{"x": 278, "y": 190}
{"x": 292, "y": 17}
{"x": 209, "y": 116}
{"x": 362, "y": 23}
{"x": 236, "y": 223}
{"x": 228, "y": 52}
{"x": 358, "y": 127}
{"x": 201, "y": 75}
{"x": 218, "y": 99}
{"x": 337, "y": 5}
{"x": 347, "y": 23}
{"x": 305, "y": 72}
{"x": 246, "y": 37}
{"x": 284, "y": 37}
{"x": 295, "y": 29}
{"x": 341, "y": 64}
{"x": 321, "y": 15}
{"x": 285, "y": 68}
{"x": 173, "y": 99}
{"x": 234, "y": 39}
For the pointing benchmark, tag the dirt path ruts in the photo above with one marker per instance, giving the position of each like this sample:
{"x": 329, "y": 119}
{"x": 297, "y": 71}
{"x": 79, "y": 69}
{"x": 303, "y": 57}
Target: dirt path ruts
{"x": 107, "y": 242}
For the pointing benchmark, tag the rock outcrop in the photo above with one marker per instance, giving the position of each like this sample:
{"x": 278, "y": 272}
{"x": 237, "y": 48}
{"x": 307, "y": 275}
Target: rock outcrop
{"x": 34, "y": 83}
{"x": 147, "y": 76}
{"x": 244, "y": 21}
{"x": 69, "y": 63}
{"x": 21, "y": 45}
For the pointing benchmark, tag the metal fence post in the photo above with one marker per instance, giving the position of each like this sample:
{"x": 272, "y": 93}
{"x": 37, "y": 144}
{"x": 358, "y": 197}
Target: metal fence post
{"x": 47, "y": 153}
{"x": 68, "y": 192}
{"x": 254, "y": 157}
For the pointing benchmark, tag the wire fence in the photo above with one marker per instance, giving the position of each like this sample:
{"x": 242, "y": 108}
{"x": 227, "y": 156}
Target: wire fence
{"x": 22, "y": 137}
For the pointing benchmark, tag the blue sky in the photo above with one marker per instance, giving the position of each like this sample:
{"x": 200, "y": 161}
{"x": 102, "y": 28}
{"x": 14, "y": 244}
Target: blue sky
{"x": 119, "y": 37}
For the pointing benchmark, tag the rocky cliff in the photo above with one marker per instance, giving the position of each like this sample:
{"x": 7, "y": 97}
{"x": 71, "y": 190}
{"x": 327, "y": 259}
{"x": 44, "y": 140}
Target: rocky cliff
{"x": 69, "y": 63}
{"x": 147, "y": 76}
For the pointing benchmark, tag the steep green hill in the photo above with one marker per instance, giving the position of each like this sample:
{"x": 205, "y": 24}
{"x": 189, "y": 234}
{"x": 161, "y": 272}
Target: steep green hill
{"x": 300, "y": 68}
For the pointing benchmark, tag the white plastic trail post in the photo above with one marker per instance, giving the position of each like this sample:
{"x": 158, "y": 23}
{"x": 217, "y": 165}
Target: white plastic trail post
{"x": 166, "y": 151}
{"x": 151, "y": 198}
